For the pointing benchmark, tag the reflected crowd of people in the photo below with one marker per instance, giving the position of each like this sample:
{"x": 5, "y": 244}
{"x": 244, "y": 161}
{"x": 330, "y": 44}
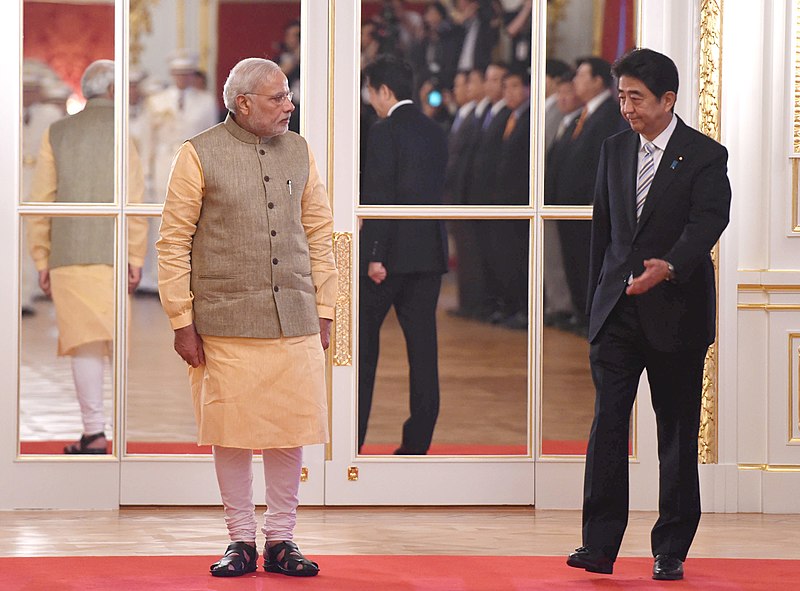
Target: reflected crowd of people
{"x": 471, "y": 61}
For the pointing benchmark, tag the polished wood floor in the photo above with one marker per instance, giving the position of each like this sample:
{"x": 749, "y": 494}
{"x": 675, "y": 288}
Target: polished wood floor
{"x": 417, "y": 531}
{"x": 484, "y": 369}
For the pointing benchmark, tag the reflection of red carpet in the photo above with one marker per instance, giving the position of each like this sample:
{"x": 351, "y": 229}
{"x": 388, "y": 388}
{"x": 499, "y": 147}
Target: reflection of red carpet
{"x": 549, "y": 447}
{"x": 389, "y": 573}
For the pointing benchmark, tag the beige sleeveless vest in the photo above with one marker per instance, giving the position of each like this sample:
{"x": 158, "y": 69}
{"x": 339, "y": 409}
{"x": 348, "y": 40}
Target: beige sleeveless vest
{"x": 251, "y": 271}
{"x": 83, "y": 148}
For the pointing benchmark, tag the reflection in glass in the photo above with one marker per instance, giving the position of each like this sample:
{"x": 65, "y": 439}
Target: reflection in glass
{"x": 159, "y": 416}
{"x": 474, "y": 86}
{"x": 53, "y": 65}
{"x": 482, "y": 357}
{"x": 65, "y": 383}
{"x": 567, "y": 389}
{"x": 175, "y": 93}
{"x": 176, "y": 89}
{"x": 581, "y": 109}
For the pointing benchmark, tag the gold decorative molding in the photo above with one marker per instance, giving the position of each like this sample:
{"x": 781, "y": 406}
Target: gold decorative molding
{"x": 709, "y": 105}
{"x": 796, "y": 101}
{"x": 140, "y": 23}
{"x": 710, "y": 66}
{"x": 796, "y": 164}
{"x": 793, "y": 398}
{"x": 555, "y": 14}
{"x": 770, "y": 467}
{"x": 342, "y": 340}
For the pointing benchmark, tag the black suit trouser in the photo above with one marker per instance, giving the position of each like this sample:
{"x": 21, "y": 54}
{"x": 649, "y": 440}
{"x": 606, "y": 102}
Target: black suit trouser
{"x": 618, "y": 356}
{"x": 414, "y": 297}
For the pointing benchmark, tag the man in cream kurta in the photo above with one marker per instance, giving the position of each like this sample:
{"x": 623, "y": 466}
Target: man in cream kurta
{"x": 75, "y": 255}
{"x": 247, "y": 278}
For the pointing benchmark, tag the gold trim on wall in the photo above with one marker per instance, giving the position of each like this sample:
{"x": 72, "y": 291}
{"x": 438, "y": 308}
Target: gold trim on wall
{"x": 793, "y": 398}
{"x": 796, "y": 97}
{"x": 710, "y": 87}
{"x": 770, "y": 467}
{"x": 710, "y": 67}
{"x": 796, "y": 168}
{"x": 342, "y": 340}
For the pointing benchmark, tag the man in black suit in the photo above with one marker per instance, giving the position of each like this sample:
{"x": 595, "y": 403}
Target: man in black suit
{"x": 402, "y": 261}
{"x": 510, "y": 241}
{"x": 572, "y": 167}
{"x": 661, "y": 202}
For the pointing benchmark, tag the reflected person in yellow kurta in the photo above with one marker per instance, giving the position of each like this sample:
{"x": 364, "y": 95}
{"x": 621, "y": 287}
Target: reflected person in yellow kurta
{"x": 247, "y": 278}
{"x": 75, "y": 255}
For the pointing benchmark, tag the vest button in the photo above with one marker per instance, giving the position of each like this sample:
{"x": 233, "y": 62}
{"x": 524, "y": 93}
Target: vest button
{"x": 273, "y": 233}
{"x": 275, "y": 288}
{"x": 274, "y": 261}
{"x": 270, "y": 205}
{"x": 266, "y": 178}
{"x": 262, "y": 152}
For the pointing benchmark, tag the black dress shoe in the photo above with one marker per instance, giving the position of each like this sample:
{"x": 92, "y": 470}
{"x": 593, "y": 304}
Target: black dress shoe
{"x": 407, "y": 451}
{"x": 591, "y": 560}
{"x": 667, "y": 568}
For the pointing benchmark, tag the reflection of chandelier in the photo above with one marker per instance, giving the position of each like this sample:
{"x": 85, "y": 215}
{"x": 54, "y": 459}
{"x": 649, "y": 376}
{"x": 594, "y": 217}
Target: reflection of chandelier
{"x": 140, "y": 22}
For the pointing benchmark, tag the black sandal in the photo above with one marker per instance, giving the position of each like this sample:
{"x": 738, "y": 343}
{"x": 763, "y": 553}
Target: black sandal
{"x": 81, "y": 447}
{"x": 239, "y": 559}
{"x": 285, "y": 558}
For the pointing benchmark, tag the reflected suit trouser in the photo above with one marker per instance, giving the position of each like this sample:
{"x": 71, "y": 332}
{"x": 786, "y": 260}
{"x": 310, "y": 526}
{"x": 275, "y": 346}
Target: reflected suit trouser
{"x": 414, "y": 297}
{"x": 618, "y": 356}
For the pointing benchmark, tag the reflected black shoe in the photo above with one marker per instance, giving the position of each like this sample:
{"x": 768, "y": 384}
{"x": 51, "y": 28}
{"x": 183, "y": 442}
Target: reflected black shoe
{"x": 667, "y": 568}
{"x": 591, "y": 560}
{"x": 407, "y": 451}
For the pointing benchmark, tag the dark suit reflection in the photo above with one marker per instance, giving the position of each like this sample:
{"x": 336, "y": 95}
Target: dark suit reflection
{"x": 405, "y": 164}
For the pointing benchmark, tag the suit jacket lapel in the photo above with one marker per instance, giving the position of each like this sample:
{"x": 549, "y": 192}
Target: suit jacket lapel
{"x": 667, "y": 169}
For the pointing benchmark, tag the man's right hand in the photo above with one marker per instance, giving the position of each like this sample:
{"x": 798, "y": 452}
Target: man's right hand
{"x": 44, "y": 281}
{"x": 377, "y": 272}
{"x": 189, "y": 345}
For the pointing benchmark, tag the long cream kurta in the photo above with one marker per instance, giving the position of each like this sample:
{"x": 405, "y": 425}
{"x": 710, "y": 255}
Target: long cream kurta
{"x": 83, "y": 295}
{"x": 252, "y": 393}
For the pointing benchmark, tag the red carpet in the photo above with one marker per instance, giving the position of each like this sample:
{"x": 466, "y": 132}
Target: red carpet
{"x": 390, "y": 573}
{"x": 160, "y": 447}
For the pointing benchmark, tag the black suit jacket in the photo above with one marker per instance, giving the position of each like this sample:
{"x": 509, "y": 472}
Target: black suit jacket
{"x": 513, "y": 167}
{"x": 572, "y": 163}
{"x": 405, "y": 164}
{"x": 482, "y": 179}
{"x": 460, "y": 149}
{"x": 687, "y": 209}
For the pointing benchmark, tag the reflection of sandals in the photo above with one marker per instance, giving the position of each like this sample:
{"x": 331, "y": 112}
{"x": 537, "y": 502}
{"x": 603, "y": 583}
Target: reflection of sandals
{"x": 285, "y": 558}
{"x": 81, "y": 447}
{"x": 239, "y": 559}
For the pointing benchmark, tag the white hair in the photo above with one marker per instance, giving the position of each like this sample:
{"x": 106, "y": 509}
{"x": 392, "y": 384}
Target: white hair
{"x": 97, "y": 78}
{"x": 245, "y": 77}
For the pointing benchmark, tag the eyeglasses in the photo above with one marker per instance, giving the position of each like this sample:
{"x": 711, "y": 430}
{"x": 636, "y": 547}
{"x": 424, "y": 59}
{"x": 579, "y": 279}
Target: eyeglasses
{"x": 277, "y": 99}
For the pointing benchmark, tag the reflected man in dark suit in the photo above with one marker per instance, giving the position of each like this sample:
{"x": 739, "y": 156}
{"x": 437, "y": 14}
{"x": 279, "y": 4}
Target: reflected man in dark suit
{"x": 402, "y": 261}
{"x": 510, "y": 242}
{"x": 661, "y": 202}
{"x": 572, "y": 168}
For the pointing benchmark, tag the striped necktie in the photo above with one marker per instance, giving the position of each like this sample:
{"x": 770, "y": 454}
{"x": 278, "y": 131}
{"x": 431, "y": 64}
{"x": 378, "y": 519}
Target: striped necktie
{"x": 645, "y": 178}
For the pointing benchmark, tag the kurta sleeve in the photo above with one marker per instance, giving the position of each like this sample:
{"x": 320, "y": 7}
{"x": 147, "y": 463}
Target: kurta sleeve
{"x": 137, "y": 226}
{"x": 317, "y": 221}
{"x": 178, "y": 225}
{"x": 43, "y": 189}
